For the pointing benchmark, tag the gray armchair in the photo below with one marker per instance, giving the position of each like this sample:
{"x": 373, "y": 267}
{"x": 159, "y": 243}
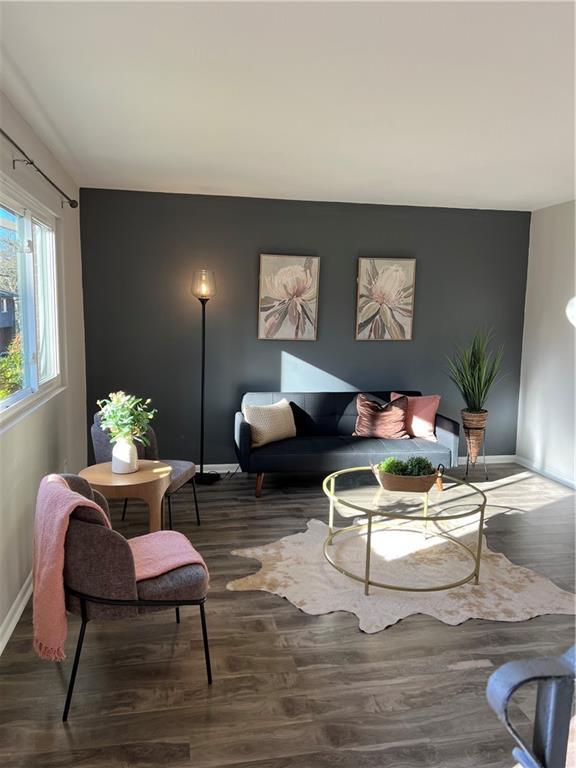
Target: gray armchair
{"x": 100, "y": 579}
{"x": 182, "y": 471}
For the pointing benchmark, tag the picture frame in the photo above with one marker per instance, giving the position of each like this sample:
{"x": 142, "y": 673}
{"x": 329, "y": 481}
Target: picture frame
{"x": 288, "y": 297}
{"x": 385, "y": 298}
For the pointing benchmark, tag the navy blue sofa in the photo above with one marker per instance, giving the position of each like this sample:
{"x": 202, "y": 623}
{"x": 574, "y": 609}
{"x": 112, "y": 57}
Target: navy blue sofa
{"x": 324, "y": 442}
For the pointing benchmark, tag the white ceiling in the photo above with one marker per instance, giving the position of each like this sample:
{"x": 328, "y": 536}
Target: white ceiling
{"x": 455, "y": 104}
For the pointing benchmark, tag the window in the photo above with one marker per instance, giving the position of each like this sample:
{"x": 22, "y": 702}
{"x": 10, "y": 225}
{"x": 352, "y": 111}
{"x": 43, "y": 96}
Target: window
{"x": 28, "y": 308}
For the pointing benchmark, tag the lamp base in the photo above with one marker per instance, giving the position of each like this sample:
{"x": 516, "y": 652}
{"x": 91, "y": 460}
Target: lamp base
{"x": 206, "y": 478}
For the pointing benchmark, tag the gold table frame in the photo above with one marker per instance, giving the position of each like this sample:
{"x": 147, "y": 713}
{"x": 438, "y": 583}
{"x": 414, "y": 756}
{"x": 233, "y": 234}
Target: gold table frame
{"x": 328, "y": 487}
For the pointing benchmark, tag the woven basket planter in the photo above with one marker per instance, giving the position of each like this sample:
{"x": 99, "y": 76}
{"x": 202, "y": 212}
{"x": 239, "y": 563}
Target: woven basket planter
{"x": 474, "y": 423}
{"x": 405, "y": 483}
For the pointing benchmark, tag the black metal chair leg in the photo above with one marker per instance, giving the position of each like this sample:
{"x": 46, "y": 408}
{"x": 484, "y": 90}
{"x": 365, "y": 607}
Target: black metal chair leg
{"x": 177, "y": 615}
{"x": 76, "y": 662}
{"x": 124, "y": 510}
{"x": 169, "y": 512}
{"x": 196, "y": 502}
{"x": 206, "y": 649}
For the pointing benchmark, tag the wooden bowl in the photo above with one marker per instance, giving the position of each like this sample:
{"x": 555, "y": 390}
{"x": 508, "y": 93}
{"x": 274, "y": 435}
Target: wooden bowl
{"x": 405, "y": 483}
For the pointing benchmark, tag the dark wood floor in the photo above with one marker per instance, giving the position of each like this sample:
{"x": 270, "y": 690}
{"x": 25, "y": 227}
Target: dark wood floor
{"x": 290, "y": 690}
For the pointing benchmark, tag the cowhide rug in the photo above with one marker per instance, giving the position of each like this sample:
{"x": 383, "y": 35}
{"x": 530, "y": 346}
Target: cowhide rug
{"x": 295, "y": 568}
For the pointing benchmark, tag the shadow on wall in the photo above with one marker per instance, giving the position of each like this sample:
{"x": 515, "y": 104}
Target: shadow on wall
{"x": 299, "y": 376}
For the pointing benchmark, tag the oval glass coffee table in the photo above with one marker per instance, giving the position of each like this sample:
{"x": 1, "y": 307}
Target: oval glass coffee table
{"x": 438, "y": 517}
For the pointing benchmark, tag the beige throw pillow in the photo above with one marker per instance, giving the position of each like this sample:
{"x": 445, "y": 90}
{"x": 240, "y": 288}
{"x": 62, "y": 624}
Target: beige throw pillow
{"x": 270, "y": 422}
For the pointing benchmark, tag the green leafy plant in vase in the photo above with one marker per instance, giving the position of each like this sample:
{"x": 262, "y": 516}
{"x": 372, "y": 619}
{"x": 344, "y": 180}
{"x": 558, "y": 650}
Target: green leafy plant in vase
{"x": 474, "y": 369}
{"x": 417, "y": 474}
{"x": 126, "y": 419}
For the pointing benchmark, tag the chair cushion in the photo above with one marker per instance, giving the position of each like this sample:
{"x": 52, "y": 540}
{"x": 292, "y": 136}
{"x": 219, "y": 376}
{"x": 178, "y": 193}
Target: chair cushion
{"x": 190, "y": 582}
{"x": 182, "y": 472}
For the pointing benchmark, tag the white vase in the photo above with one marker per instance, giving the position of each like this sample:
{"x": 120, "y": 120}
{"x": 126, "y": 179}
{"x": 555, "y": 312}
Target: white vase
{"x": 124, "y": 457}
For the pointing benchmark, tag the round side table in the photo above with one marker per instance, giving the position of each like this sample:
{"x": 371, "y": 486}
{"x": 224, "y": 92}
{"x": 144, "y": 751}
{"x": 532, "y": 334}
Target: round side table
{"x": 149, "y": 483}
{"x": 354, "y": 490}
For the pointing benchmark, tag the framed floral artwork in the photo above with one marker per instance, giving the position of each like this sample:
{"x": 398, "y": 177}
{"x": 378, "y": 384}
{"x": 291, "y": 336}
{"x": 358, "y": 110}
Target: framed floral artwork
{"x": 288, "y": 297}
{"x": 385, "y": 306}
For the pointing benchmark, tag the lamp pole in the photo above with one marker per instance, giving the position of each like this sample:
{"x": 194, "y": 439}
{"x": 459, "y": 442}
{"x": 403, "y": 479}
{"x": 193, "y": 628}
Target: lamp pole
{"x": 203, "y": 288}
{"x": 203, "y": 301}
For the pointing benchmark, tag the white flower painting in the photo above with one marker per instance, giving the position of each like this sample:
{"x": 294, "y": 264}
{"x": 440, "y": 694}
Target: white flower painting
{"x": 385, "y": 307}
{"x": 288, "y": 302}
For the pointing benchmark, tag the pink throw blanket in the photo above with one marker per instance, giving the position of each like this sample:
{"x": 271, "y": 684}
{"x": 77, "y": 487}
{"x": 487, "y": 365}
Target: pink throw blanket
{"x": 162, "y": 551}
{"x": 54, "y": 505}
{"x": 154, "y": 554}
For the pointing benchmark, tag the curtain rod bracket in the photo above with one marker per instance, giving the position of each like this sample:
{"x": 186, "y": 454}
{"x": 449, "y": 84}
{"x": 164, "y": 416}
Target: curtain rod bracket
{"x": 20, "y": 160}
{"x": 27, "y": 160}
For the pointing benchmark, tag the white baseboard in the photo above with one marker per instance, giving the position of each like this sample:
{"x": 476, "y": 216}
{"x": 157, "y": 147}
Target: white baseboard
{"x": 550, "y": 475}
{"x": 502, "y": 459}
{"x": 16, "y": 610}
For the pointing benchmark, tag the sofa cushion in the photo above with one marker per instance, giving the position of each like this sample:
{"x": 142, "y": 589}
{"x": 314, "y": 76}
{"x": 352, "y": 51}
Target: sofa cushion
{"x": 330, "y": 413}
{"x": 421, "y": 415}
{"x": 329, "y": 453}
{"x": 269, "y": 423}
{"x": 305, "y": 424}
{"x": 377, "y": 420}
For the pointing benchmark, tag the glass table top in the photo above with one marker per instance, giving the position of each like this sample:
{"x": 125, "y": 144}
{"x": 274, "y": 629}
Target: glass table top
{"x": 356, "y": 491}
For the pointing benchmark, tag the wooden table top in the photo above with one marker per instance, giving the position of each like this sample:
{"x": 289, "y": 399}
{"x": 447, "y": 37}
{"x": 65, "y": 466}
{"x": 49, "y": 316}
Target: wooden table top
{"x": 148, "y": 472}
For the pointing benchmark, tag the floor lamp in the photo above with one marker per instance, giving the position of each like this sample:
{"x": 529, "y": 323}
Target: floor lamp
{"x": 204, "y": 288}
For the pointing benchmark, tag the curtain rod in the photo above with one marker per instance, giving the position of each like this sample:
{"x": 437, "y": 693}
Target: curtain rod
{"x": 28, "y": 160}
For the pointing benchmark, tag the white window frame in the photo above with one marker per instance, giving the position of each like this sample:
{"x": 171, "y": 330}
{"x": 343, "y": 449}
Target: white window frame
{"x": 34, "y": 394}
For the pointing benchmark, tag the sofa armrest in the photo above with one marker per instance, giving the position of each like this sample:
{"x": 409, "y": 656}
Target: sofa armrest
{"x": 448, "y": 434}
{"x": 242, "y": 441}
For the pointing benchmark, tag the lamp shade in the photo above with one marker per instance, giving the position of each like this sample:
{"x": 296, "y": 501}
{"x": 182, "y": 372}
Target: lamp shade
{"x": 203, "y": 284}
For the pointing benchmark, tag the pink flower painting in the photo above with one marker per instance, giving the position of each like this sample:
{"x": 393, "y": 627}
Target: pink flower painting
{"x": 288, "y": 305}
{"x": 385, "y": 299}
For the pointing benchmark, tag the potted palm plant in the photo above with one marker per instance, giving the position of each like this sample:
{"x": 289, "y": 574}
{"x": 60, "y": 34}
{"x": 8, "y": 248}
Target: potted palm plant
{"x": 126, "y": 418}
{"x": 474, "y": 369}
{"x": 416, "y": 475}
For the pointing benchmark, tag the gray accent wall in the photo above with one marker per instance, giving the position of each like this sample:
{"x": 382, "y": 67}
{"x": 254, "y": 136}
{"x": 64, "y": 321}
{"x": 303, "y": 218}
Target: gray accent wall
{"x": 139, "y": 250}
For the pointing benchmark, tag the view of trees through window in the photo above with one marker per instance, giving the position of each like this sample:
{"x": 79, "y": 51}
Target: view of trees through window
{"x": 28, "y": 321}
{"x": 11, "y": 362}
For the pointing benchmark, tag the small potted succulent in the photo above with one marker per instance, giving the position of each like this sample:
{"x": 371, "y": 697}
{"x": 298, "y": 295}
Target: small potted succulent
{"x": 416, "y": 475}
{"x": 126, "y": 418}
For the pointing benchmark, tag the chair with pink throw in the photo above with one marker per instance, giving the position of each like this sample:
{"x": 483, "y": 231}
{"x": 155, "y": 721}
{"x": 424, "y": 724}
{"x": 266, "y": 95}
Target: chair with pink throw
{"x": 83, "y": 566}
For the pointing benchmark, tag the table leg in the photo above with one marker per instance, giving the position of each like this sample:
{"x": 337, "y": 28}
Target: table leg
{"x": 368, "y": 551}
{"x": 153, "y": 496}
{"x": 426, "y": 515}
{"x": 331, "y": 516}
{"x": 479, "y": 549}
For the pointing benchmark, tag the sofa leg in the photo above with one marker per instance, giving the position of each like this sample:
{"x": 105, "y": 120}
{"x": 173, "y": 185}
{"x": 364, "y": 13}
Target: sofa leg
{"x": 259, "y": 483}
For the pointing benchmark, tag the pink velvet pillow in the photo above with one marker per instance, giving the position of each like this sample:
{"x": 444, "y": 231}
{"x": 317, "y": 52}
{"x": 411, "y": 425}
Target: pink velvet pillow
{"x": 385, "y": 420}
{"x": 420, "y": 415}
